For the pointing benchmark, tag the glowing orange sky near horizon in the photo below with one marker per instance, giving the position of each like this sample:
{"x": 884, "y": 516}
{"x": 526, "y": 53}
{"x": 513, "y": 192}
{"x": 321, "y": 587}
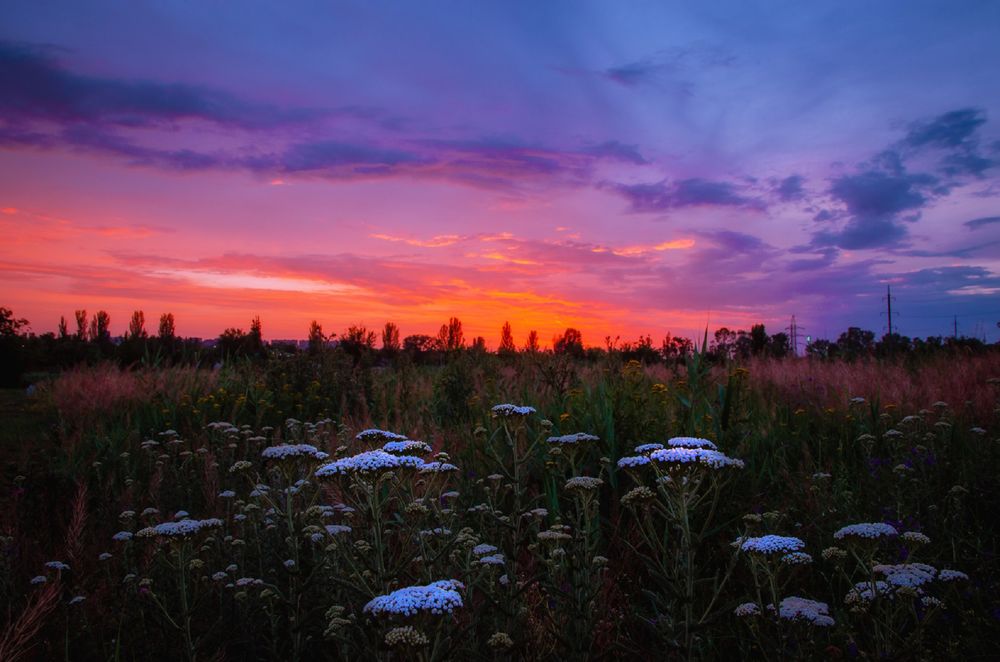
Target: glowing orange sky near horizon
{"x": 95, "y": 260}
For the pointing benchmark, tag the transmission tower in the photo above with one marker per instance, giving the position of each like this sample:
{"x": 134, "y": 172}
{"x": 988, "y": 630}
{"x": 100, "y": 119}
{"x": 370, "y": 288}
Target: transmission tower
{"x": 793, "y": 332}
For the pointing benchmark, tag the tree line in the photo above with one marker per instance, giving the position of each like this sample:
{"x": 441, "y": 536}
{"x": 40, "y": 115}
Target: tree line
{"x": 90, "y": 340}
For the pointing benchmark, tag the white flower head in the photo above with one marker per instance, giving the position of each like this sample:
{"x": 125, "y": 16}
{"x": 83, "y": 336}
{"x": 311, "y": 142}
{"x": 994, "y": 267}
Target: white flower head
{"x": 864, "y": 593}
{"x": 692, "y": 457}
{"x": 368, "y": 462}
{"x": 797, "y": 558}
{"x": 906, "y": 574}
{"x": 583, "y": 483}
{"x": 692, "y": 442}
{"x": 374, "y": 436}
{"x": 648, "y": 448}
{"x": 866, "y": 530}
{"x": 508, "y": 411}
{"x": 407, "y": 447}
{"x": 573, "y": 439}
{"x": 293, "y": 452}
{"x": 771, "y": 544}
{"x": 437, "y": 468}
{"x": 633, "y": 461}
{"x": 953, "y": 576}
{"x": 441, "y": 597}
{"x": 491, "y": 559}
{"x": 794, "y": 608}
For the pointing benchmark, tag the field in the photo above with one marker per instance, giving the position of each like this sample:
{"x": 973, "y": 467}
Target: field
{"x": 286, "y": 510}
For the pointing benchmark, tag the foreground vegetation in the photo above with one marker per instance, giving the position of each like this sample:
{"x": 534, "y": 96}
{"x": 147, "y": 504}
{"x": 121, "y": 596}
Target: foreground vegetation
{"x": 244, "y": 513}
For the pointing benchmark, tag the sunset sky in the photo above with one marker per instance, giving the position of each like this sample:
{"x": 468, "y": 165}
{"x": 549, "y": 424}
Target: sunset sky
{"x": 624, "y": 168}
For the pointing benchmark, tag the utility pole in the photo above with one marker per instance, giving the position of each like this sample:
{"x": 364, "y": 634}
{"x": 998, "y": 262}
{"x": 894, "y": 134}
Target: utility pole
{"x": 955, "y": 327}
{"x": 888, "y": 301}
{"x": 888, "y": 310}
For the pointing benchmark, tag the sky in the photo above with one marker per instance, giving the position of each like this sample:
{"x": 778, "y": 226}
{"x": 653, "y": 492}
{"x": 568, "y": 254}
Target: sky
{"x": 621, "y": 168}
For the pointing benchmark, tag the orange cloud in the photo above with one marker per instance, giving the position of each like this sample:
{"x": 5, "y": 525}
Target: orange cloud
{"x": 671, "y": 245}
{"x": 438, "y": 241}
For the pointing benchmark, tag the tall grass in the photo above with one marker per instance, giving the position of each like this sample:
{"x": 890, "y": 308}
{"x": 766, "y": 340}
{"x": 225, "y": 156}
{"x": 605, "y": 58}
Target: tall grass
{"x": 638, "y": 565}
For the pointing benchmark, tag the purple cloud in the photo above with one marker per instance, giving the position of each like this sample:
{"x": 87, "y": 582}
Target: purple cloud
{"x": 37, "y": 86}
{"x": 661, "y": 196}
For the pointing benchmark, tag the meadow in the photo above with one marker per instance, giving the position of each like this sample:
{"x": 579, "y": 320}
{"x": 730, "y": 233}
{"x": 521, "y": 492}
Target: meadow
{"x": 530, "y": 506}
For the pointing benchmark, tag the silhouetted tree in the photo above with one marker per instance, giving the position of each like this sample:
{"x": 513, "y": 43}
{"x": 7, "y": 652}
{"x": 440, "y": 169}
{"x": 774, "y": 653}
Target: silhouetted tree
{"x": 358, "y": 341}
{"x": 531, "y": 343}
{"x": 317, "y": 339}
{"x": 9, "y": 325}
{"x": 451, "y": 336}
{"x": 12, "y": 348}
{"x": 81, "y": 324}
{"x": 855, "y": 342}
{"x": 675, "y": 347}
{"x": 821, "y": 349}
{"x": 780, "y": 345}
{"x": 724, "y": 343}
{"x": 100, "y": 328}
{"x": 478, "y": 345}
{"x": 137, "y": 326}
{"x": 418, "y": 344}
{"x": 507, "y": 345}
{"x": 167, "y": 331}
{"x": 570, "y": 342}
{"x": 390, "y": 338}
{"x": 759, "y": 340}
{"x": 63, "y": 329}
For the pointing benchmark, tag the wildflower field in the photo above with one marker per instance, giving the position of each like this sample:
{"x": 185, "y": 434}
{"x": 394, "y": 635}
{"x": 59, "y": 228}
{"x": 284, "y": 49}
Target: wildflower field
{"x": 534, "y": 506}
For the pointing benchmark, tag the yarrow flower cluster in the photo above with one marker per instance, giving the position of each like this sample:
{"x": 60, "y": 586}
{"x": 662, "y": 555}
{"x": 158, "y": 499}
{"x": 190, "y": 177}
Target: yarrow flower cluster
{"x": 864, "y": 593}
{"x": 867, "y": 530}
{"x": 292, "y": 451}
{"x": 508, "y": 410}
{"x": 797, "y": 558}
{"x": 681, "y": 456}
{"x": 691, "y": 442}
{"x": 794, "y": 608}
{"x": 437, "y": 467}
{"x": 771, "y": 544}
{"x": 405, "y": 637}
{"x": 633, "y": 461}
{"x": 647, "y": 448}
{"x": 906, "y": 574}
{"x": 915, "y": 538}
{"x": 440, "y": 597}
{"x": 374, "y": 436}
{"x": 575, "y": 438}
{"x": 407, "y": 446}
{"x": 182, "y": 529}
{"x": 491, "y": 559}
{"x": 952, "y": 576}
{"x": 368, "y": 461}
{"x": 583, "y": 483}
